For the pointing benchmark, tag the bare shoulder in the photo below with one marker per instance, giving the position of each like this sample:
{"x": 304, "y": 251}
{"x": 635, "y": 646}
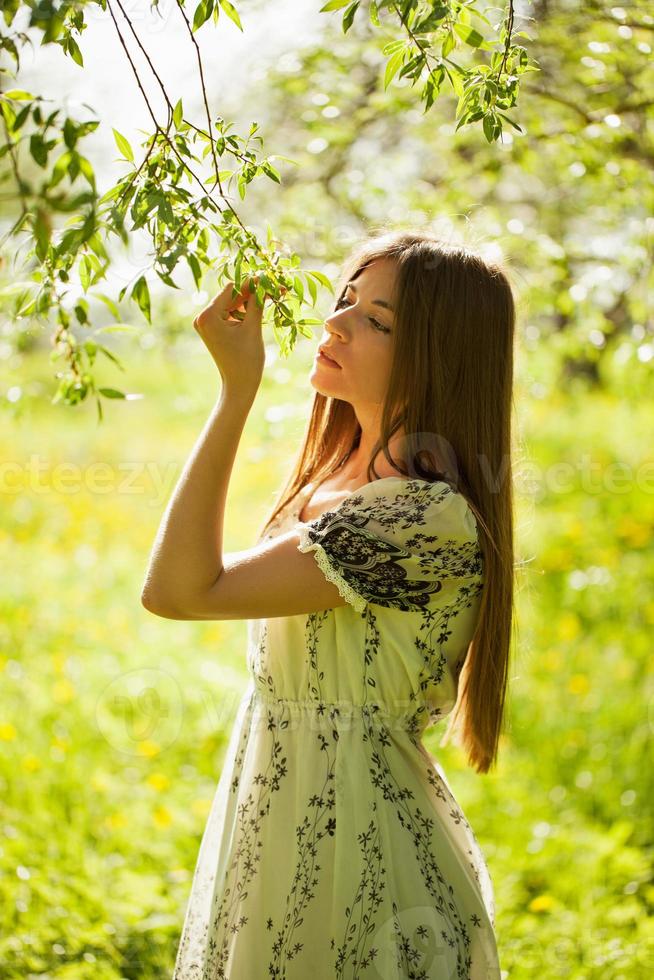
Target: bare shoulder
{"x": 329, "y": 493}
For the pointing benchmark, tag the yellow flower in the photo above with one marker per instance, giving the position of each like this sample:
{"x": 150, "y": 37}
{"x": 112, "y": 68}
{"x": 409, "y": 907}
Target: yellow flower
{"x": 115, "y": 821}
{"x": 31, "y": 762}
{"x": 162, "y": 816}
{"x": 148, "y": 748}
{"x": 542, "y": 903}
{"x": 633, "y": 532}
{"x": 569, "y": 626}
{"x": 158, "y": 780}
{"x": 576, "y": 530}
{"x": 58, "y": 662}
{"x": 63, "y": 691}
{"x": 7, "y": 731}
{"x": 578, "y": 684}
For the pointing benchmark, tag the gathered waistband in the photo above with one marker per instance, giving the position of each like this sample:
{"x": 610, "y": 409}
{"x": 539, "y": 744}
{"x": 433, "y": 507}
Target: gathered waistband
{"x": 407, "y": 715}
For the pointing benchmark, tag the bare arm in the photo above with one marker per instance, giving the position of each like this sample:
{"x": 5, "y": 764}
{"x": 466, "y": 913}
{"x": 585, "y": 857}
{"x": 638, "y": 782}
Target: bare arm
{"x": 187, "y": 577}
{"x": 269, "y": 580}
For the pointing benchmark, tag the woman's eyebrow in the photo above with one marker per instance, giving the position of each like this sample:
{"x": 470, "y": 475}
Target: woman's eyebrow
{"x": 376, "y": 302}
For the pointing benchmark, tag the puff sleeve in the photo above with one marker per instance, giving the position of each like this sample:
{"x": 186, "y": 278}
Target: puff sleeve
{"x": 395, "y": 542}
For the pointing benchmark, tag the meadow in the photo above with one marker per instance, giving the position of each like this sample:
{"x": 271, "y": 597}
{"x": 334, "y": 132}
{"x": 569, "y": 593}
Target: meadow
{"x": 114, "y": 721}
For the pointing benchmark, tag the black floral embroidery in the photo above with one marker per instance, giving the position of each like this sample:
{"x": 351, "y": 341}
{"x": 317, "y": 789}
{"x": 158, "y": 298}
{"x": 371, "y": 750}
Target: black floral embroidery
{"x": 309, "y": 833}
{"x": 360, "y": 922}
{"x": 403, "y": 576}
{"x": 333, "y": 721}
{"x": 419, "y": 829}
{"x": 372, "y": 567}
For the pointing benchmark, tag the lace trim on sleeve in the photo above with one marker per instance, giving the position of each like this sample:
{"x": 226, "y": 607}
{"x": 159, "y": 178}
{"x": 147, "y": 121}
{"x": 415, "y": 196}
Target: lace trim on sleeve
{"x": 330, "y": 571}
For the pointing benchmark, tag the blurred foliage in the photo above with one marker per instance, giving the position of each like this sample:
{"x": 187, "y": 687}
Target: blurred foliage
{"x": 568, "y": 204}
{"x": 104, "y": 792}
{"x": 167, "y": 193}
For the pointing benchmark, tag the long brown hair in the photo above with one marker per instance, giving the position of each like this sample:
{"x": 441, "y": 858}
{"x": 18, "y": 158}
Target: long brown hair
{"x": 452, "y": 378}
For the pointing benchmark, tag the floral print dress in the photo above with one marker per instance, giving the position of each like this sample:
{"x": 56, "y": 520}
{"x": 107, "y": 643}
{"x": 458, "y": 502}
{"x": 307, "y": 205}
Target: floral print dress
{"x": 334, "y": 848}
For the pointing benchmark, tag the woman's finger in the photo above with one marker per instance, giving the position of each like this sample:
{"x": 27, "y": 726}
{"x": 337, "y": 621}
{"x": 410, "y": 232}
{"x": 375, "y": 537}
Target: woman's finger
{"x": 227, "y": 303}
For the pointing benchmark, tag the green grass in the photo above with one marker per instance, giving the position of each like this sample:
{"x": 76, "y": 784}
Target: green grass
{"x": 101, "y": 811}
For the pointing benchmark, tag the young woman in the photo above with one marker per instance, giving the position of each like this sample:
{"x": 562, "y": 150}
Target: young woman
{"x": 379, "y": 598}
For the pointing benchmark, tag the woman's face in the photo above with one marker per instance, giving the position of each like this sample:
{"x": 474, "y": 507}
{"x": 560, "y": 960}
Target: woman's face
{"x": 360, "y": 339}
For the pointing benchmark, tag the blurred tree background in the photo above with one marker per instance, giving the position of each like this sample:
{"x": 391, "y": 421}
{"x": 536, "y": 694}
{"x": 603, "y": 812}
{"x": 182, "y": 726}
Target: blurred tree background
{"x": 114, "y": 722}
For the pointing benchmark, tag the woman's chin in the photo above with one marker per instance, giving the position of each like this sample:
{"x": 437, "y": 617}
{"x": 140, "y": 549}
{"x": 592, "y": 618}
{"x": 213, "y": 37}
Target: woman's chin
{"x": 320, "y": 385}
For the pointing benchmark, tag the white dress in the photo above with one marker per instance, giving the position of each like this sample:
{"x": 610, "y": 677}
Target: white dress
{"x": 334, "y": 848}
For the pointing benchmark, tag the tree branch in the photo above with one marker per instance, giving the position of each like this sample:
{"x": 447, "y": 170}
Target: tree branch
{"x": 204, "y": 91}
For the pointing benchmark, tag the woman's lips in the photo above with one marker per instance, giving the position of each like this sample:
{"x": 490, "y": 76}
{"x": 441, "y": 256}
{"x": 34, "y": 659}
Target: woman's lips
{"x": 326, "y": 359}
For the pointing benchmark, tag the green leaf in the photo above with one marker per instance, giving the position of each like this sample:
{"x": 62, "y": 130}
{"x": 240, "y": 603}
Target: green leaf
{"x": 271, "y": 172}
{"x": 392, "y": 46}
{"x": 455, "y": 79}
{"x": 81, "y": 312}
{"x": 322, "y": 279}
{"x": 8, "y": 113}
{"x": 348, "y": 16}
{"x": 109, "y": 303}
{"x": 333, "y": 5}
{"x": 448, "y": 44}
{"x": 111, "y": 356}
{"x": 511, "y": 122}
{"x": 41, "y": 235}
{"x": 432, "y": 20}
{"x": 374, "y": 13}
{"x": 299, "y": 287}
{"x": 178, "y": 114}
{"x": 112, "y": 393}
{"x": 73, "y": 165}
{"x": 466, "y": 98}
{"x": 21, "y": 117}
{"x": 392, "y": 67}
{"x": 141, "y": 294}
{"x": 195, "y": 268}
{"x": 74, "y": 51}
{"x": 117, "y": 328}
{"x": 123, "y": 146}
{"x": 38, "y": 149}
{"x": 70, "y": 134}
{"x": 232, "y": 13}
{"x": 86, "y": 170}
{"x": 85, "y": 272}
{"x": 202, "y": 13}
{"x": 112, "y": 193}
{"x": 18, "y": 95}
{"x": 469, "y": 35}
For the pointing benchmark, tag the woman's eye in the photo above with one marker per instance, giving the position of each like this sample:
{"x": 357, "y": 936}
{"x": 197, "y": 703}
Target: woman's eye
{"x": 377, "y": 325}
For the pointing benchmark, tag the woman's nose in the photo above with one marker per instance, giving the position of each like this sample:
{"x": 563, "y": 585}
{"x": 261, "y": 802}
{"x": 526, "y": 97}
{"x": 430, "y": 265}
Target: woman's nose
{"x": 334, "y": 323}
